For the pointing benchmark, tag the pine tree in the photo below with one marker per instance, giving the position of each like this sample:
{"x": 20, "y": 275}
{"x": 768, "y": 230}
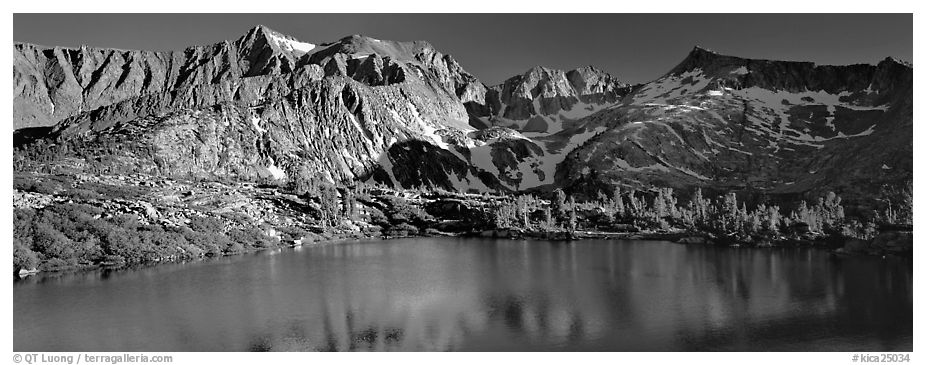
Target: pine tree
{"x": 699, "y": 207}
{"x": 549, "y": 223}
{"x": 729, "y": 213}
{"x": 559, "y": 204}
{"x": 637, "y": 205}
{"x": 573, "y": 221}
{"x": 617, "y": 203}
{"x": 772, "y": 218}
{"x": 659, "y": 206}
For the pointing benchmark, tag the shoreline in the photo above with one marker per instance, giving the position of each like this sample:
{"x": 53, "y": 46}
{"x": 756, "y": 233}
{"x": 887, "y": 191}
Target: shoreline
{"x": 676, "y": 237}
{"x": 91, "y": 222}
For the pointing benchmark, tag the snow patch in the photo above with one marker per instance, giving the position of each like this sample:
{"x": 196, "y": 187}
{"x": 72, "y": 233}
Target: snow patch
{"x": 547, "y": 162}
{"x": 292, "y": 45}
{"x": 277, "y": 172}
{"x": 740, "y": 71}
{"x": 255, "y": 121}
{"x": 386, "y": 163}
{"x": 671, "y": 87}
{"x": 481, "y": 157}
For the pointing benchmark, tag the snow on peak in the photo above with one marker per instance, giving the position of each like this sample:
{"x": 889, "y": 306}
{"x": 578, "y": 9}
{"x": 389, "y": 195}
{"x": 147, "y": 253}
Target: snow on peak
{"x": 290, "y": 44}
{"x": 740, "y": 71}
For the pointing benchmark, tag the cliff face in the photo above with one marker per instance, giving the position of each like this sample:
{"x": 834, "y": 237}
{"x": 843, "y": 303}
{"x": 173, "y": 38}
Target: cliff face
{"x": 546, "y": 100}
{"x": 266, "y": 105}
{"x": 401, "y": 113}
{"x": 52, "y": 84}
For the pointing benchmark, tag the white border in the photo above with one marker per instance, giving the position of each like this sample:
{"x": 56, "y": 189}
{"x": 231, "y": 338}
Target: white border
{"x": 418, "y": 6}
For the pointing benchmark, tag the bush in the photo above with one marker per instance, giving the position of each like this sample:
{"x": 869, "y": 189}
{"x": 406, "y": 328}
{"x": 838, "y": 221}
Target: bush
{"x": 234, "y": 248}
{"x": 51, "y": 242}
{"x": 37, "y": 186}
{"x": 83, "y": 194}
{"x": 113, "y": 260}
{"x": 207, "y": 225}
{"x": 401, "y": 230}
{"x": 24, "y": 258}
{"x": 118, "y": 192}
{"x": 72, "y": 234}
{"x": 293, "y": 233}
{"x": 400, "y": 211}
{"x": 191, "y": 251}
{"x": 251, "y": 236}
{"x": 57, "y": 264}
{"x": 377, "y": 217}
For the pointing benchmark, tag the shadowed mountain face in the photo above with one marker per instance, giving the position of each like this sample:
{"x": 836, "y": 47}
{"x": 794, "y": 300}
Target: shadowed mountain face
{"x": 401, "y": 113}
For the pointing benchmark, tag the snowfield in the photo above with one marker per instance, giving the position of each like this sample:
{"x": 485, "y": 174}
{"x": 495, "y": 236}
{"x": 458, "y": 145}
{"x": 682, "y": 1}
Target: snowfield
{"x": 292, "y": 45}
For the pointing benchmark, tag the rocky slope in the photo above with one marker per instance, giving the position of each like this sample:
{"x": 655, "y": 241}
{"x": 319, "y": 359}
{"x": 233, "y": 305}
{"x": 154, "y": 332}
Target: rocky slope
{"x": 546, "y": 101}
{"x": 53, "y": 83}
{"x": 269, "y": 106}
{"x": 779, "y": 128}
{"x": 264, "y": 105}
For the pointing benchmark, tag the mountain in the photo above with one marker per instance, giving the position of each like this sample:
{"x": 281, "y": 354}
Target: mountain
{"x": 55, "y": 83}
{"x": 269, "y": 106}
{"x": 775, "y": 127}
{"x": 264, "y": 105}
{"x": 544, "y": 100}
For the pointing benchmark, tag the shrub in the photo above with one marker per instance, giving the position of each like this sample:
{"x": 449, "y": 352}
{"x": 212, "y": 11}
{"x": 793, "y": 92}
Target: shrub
{"x": 234, "y": 248}
{"x": 56, "y": 264}
{"x": 37, "y": 186}
{"x": 251, "y": 236}
{"x": 401, "y": 230}
{"x": 51, "y": 242}
{"x": 23, "y": 257}
{"x": 113, "y": 260}
{"x": 206, "y": 225}
{"x": 83, "y": 194}
{"x": 191, "y": 251}
{"x": 293, "y": 233}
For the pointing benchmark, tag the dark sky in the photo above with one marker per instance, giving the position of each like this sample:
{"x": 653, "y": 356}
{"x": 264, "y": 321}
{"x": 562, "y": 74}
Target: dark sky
{"x": 633, "y": 47}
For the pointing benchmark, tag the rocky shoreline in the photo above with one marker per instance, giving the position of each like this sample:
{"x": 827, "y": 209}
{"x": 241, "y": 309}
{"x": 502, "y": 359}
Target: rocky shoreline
{"x": 248, "y": 217}
{"x": 896, "y": 242}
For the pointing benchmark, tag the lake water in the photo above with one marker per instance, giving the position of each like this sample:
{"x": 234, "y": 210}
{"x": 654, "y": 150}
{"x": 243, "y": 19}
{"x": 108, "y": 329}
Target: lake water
{"x": 431, "y": 294}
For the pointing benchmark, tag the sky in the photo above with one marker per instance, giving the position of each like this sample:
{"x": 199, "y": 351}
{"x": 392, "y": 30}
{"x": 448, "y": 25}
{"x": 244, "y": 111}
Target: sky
{"x": 633, "y": 47}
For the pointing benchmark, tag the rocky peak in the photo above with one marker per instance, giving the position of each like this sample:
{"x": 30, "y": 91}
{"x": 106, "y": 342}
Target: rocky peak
{"x": 891, "y": 59}
{"x": 538, "y": 82}
{"x": 546, "y": 91}
{"x": 377, "y": 62}
{"x": 707, "y": 61}
{"x": 590, "y": 80}
{"x": 264, "y": 36}
{"x": 362, "y": 46}
{"x": 265, "y": 51}
{"x": 791, "y": 76}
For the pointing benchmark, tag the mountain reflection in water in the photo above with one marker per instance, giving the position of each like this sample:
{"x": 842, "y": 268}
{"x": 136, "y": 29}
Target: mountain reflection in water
{"x": 439, "y": 294}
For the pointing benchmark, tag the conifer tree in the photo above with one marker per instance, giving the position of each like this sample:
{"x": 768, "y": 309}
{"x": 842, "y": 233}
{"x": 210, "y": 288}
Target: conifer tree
{"x": 559, "y": 204}
{"x": 573, "y": 221}
{"x": 617, "y": 202}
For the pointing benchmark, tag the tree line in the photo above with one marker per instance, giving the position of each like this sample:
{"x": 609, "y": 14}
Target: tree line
{"x": 724, "y": 216}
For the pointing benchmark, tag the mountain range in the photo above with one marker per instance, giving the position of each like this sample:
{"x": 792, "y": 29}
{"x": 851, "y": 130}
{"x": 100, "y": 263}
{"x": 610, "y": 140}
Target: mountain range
{"x": 268, "y": 106}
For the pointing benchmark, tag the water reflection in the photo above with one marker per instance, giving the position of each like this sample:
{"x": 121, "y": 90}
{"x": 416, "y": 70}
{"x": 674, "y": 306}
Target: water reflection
{"x": 484, "y": 295}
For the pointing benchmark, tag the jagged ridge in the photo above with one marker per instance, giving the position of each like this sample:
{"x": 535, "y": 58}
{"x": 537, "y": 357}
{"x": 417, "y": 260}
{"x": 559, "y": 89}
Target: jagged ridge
{"x": 404, "y": 114}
